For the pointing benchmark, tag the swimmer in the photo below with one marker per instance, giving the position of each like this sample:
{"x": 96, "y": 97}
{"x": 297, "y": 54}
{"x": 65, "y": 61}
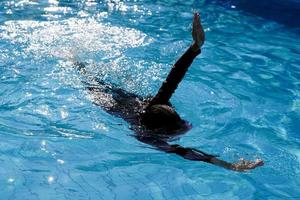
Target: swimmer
{"x": 154, "y": 120}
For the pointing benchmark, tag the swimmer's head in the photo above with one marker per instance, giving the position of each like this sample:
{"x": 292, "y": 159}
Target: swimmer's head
{"x": 163, "y": 117}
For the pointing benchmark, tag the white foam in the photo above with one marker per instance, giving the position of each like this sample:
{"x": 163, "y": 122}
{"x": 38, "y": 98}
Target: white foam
{"x": 100, "y": 44}
{"x": 72, "y": 37}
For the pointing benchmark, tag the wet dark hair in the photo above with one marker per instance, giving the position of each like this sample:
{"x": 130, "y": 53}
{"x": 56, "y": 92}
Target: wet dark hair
{"x": 162, "y": 117}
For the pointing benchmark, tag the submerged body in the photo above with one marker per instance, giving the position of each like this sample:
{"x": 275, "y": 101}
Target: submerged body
{"x": 155, "y": 114}
{"x": 154, "y": 120}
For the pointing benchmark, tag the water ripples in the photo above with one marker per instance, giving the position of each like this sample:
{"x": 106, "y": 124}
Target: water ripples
{"x": 243, "y": 100}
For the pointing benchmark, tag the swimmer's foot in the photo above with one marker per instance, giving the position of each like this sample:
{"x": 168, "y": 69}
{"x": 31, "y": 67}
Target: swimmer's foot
{"x": 244, "y": 165}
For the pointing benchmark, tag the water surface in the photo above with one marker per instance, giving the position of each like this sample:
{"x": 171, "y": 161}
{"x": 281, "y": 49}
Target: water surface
{"x": 242, "y": 95}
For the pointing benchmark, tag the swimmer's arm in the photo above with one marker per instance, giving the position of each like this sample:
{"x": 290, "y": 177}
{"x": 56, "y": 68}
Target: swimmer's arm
{"x": 175, "y": 76}
{"x": 197, "y": 155}
{"x": 181, "y": 66}
{"x": 240, "y": 166}
{"x": 194, "y": 154}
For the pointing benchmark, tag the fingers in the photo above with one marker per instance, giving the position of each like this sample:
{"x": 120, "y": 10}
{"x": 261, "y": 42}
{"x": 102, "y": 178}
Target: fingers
{"x": 255, "y": 164}
{"x": 196, "y": 21}
{"x": 244, "y": 165}
{"x": 197, "y": 31}
{"x": 196, "y": 17}
{"x": 259, "y": 162}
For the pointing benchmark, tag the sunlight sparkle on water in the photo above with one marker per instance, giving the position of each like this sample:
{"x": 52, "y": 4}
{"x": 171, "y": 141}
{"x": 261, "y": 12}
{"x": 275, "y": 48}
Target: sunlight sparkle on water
{"x": 10, "y": 180}
{"x": 60, "y": 161}
{"x": 50, "y": 179}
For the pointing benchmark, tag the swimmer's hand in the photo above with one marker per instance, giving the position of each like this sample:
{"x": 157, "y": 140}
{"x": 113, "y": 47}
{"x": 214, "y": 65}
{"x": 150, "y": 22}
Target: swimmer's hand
{"x": 197, "y": 33}
{"x": 240, "y": 166}
{"x": 243, "y": 165}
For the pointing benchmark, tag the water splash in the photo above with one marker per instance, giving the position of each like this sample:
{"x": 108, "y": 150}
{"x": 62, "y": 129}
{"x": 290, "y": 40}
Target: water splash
{"x": 72, "y": 38}
{"x": 101, "y": 46}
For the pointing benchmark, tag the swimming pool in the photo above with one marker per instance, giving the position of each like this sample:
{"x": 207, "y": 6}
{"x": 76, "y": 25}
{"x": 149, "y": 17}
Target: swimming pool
{"x": 242, "y": 96}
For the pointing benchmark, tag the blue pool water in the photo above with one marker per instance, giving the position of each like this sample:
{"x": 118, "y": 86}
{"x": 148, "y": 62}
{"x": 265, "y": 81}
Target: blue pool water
{"x": 242, "y": 96}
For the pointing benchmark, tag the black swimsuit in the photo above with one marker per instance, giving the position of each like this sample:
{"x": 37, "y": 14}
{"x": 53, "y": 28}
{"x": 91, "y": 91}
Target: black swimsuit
{"x": 130, "y": 107}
